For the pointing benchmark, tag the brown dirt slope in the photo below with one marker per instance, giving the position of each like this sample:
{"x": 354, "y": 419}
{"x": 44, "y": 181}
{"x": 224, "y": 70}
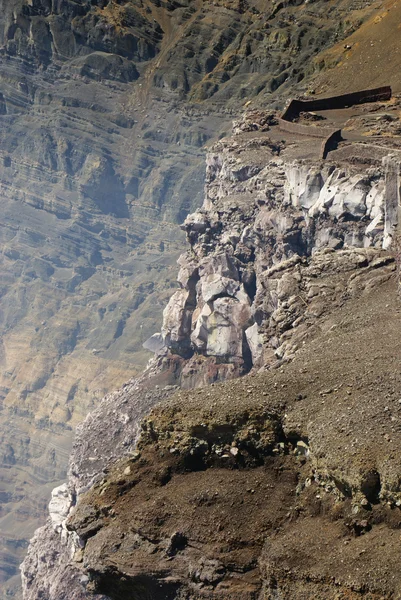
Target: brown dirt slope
{"x": 369, "y": 57}
{"x": 278, "y": 485}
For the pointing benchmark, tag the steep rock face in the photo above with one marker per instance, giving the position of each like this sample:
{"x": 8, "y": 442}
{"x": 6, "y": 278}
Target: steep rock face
{"x": 282, "y": 484}
{"x": 279, "y": 250}
{"x": 51, "y": 568}
{"x": 104, "y": 109}
{"x": 249, "y": 283}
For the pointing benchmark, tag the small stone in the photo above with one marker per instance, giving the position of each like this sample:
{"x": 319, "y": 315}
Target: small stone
{"x": 302, "y": 449}
{"x": 78, "y": 555}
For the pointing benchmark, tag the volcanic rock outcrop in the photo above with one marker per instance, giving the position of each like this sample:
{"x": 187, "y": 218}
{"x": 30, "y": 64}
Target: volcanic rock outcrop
{"x": 104, "y": 109}
{"x": 283, "y": 484}
{"x": 218, "y": 492}
{"x": 247, "y": 278}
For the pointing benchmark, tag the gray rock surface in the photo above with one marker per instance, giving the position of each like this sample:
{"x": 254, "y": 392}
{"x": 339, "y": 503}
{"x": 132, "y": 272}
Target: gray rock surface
{"x": 51, "y": 569}
{"x": 104, "y": 110}
{"x": 265, "y": 222}
{"x": 267, "y": 262}
{"x": 59, "y": 506}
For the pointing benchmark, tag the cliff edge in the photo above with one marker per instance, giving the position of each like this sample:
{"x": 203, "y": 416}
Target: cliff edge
{"x": 105, "y": 108}
{"x": 282, "y": 482}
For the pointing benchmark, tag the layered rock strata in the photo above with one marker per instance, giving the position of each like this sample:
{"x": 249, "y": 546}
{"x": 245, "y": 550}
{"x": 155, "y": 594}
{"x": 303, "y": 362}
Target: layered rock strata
{"x": 282, "y": 252}
{"x": 104, "y": 109}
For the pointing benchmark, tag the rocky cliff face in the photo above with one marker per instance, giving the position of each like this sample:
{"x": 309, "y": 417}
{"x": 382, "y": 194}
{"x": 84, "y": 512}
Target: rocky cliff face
{"x": 249, "y": 287}
{"x": 104, "y": 109}
{"x": 288, "y": 273}
{"x": 283, "y": 484}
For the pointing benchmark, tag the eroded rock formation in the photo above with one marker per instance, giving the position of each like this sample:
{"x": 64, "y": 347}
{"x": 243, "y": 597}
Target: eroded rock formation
{"x": 221, "y": 492}
{"x": 104, "y": 109}
{"x": 250, "y": 275}
{"x": 278, "y": 483}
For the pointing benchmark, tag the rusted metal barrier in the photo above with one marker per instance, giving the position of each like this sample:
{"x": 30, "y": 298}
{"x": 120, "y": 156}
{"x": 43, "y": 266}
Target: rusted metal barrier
{"x": 295, "y": 107}
{"x": 330, "y": 137}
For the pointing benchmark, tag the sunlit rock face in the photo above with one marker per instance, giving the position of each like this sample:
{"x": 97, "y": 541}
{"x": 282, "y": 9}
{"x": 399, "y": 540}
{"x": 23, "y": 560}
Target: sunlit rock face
{"x": 267, "y": 226}
{"x": 104, "y": 112}
{"x": 279, "y": 245}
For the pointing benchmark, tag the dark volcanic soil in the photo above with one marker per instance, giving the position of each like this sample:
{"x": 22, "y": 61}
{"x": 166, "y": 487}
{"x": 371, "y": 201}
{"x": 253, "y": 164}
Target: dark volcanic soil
{"x": 279, "y": 485}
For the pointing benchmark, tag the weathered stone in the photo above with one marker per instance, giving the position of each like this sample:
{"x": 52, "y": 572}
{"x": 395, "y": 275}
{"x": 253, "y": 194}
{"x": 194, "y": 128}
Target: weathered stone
{"x": 155, "y": 343}
{"x": 255, "y": 343}
{"x": 59, "y": 506}
{"x": 214, "y": 286}
{"x": 220, "y": 328}
{"x": 175, "y": 318}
